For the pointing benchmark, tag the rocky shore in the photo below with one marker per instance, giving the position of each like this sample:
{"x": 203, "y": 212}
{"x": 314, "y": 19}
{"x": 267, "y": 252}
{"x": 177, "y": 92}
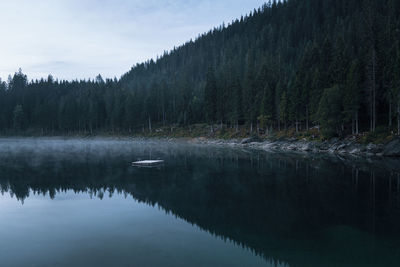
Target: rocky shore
{"x": 333, "y": 146}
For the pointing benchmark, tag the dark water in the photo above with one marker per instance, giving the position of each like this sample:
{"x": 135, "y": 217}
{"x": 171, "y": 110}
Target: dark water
{"x": 80, "y": 203}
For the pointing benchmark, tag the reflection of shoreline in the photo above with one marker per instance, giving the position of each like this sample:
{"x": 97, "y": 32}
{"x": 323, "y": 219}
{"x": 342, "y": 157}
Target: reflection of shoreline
{"x": 277, "y": 248}
{"x": 96, "y": 202}
{"x": 273, "y": 203}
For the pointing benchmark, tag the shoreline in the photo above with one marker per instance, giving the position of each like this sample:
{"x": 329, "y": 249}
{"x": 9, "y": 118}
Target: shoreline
{"x": 334, "y": 146}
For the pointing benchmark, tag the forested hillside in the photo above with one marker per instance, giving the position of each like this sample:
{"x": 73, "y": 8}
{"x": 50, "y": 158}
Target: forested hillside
{"x": 334, "y": 64}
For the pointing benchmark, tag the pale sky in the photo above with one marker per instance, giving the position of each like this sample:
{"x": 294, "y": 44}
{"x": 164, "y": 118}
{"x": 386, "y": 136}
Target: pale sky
{"x": 82, "y": 38}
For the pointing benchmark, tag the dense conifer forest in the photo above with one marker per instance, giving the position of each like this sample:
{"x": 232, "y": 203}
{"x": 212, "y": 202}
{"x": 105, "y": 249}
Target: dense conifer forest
{"x": 332, "y": 65}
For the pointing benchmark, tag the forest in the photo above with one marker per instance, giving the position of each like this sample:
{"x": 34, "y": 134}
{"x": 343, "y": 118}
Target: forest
{"x": 331, "y": 65}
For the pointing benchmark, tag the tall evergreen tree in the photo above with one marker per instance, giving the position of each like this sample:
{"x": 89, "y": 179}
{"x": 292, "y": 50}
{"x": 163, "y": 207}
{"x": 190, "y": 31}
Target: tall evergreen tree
{"x": 352, "y": 96}
{"x": 210, "y": 97}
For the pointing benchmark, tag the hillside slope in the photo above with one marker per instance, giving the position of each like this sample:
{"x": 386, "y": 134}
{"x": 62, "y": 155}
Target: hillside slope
{"x": 300, "y": 63}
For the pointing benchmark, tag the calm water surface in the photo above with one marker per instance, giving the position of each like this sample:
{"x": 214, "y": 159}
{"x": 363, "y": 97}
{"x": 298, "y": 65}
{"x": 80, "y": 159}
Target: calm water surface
{"x": 79, "y": 202}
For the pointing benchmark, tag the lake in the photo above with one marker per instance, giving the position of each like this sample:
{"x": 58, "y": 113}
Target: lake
{"x": 79, "y": 202}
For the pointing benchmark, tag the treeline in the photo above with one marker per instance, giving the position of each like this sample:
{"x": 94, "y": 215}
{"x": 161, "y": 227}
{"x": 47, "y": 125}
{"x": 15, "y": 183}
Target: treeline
{"x": 332, "y": 64}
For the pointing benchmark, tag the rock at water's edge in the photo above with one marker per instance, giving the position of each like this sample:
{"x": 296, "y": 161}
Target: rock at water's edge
{"x": 392, "y": 149}
{"x": 251, "y": 140}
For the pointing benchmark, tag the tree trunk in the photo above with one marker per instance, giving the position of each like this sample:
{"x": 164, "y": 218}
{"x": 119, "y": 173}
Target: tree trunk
{"x": 371, "y": 115}
{"x": 164, "y": 118}
{"x": 390, "y": 114}
{"x": 356, "y": 118}
{"x": 398, "y": 118}
{"x": 149, "y": 124}
{"x": 373, "y": 87}
{"x": 307, "y": 118}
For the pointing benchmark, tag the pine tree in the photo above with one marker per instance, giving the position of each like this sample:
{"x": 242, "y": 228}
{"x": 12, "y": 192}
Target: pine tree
{"x": 330, "y": 111}
{"x": 352, "y": 96}
{"x": 210, "y": 98}
{"x": 18, "y": 117}
{"x": 396, "y": 86}
{"x": 283, "y": 109}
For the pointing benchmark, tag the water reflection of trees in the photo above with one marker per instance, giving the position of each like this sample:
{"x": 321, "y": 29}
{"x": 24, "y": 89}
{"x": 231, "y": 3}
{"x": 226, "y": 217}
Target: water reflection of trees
{"x": 278, "y": 205}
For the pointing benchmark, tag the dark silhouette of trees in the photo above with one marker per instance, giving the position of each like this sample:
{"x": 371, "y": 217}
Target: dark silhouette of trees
{"x": 18, "y": 117}
{"x": 263, "y": 71}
